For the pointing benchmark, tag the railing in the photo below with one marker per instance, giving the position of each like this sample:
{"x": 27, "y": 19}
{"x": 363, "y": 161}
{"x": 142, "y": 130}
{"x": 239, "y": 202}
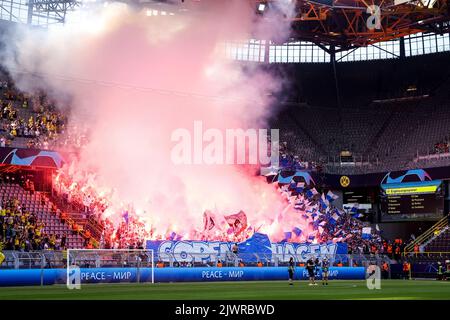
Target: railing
{"x": 432, "y": 156}
{"x": 428, "y": 235}
{"x": 114, "y": 258}
{"x": 432, "y": 254}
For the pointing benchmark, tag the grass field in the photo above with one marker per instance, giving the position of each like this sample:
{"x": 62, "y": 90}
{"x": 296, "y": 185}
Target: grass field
{"x": 258, "y": 290}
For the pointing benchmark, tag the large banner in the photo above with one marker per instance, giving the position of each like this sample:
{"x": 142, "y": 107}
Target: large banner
{"x": 29, "y": 277}
{"x": 257, "y": 248}
{"x": 31, "y": 157}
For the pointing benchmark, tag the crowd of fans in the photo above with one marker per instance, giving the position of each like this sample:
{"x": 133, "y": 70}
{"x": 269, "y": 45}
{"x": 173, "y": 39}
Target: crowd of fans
{"x": 128, "y": 233}
{"x": 36, "y": 119}
{"x": 20, "y": 230}
{"x": 331, "y": 224}
{"x": 293, "y": 160}
{"x": 41, "y": 128}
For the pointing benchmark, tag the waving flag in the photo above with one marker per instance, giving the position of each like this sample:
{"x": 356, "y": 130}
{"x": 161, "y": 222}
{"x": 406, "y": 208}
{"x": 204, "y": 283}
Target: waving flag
{"x": 312, "y": 235}
{"x": 300, "y": 187}
{"x": 125, "y": 216}
{"x": 366, "y": 233}
{"x": 352, "y": 208}
{"x": 269, "y": 171}
{"x": 297, "y": 231}
{"x": 335, "y": 216}
{"x": 324, "y": 203}
{"x": 287, "y": 235}
{"x": 238, "y": 222}
{"x": 331, "y": 196}
{"x": 172, "y": 236}
{"x": 311, "y": 192}
{"x": 208, "y": 221}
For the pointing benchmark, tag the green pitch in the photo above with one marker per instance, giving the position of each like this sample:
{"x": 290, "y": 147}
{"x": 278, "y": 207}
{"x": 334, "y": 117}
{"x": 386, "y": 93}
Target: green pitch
{"x": 270, "y": 290}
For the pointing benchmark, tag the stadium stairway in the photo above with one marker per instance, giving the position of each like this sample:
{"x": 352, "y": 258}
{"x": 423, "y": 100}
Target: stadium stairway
{"x": 75, "y": 214}
{"x": 435, "y": 240}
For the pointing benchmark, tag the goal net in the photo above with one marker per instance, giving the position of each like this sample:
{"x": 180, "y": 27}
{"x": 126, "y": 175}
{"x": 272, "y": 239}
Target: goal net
{"x": 109, "y": 266}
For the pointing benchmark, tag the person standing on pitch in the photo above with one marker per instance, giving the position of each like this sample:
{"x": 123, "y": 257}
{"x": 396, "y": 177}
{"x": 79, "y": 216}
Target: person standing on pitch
{"x": 291, "y": 269}
{"x": 316, "y": 268}
{"x": 325, "y": 268}
{"x": 310, "y": 267}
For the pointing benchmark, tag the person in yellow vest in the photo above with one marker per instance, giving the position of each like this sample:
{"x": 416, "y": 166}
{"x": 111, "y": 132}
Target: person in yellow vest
{"x": 64, "y": 257}
{"x": 52, "y": 241}
{"x": 406, "y": 270}
{"x": 37, "y": 240}
{"x": 389, "y": 250}
{"x": 397, "y": 252}
{"x": 17, "y": 243}
{"x": 2, "y": 256}
{"x": 385, "y": 270}
{"x": 160, "y": 264}
{"x": 37, "y": 231}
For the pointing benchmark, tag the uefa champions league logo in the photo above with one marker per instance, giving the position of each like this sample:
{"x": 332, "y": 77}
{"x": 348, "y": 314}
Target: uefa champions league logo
{"x": 73, "y": 278}
{"x": 373, "y": 277}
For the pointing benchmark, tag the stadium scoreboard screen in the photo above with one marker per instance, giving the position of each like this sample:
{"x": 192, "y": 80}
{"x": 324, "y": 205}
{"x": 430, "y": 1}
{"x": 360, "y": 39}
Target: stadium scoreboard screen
{"x": 412, "y": 200}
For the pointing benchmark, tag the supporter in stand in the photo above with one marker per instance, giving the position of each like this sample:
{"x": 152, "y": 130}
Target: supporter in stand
{"x": 35, "y": 118}
{"x": 20, "y": 230}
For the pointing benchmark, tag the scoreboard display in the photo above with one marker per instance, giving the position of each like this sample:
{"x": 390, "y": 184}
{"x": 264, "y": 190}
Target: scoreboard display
{"x": 412, "y": 200}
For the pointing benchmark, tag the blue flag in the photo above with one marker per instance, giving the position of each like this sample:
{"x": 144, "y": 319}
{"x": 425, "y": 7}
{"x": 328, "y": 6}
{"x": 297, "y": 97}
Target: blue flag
{"x": 125, "y": 216}
{"x": 297, "y": 231}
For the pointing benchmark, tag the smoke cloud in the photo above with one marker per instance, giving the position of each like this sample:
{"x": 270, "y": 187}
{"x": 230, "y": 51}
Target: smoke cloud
{"x": 133, "y": 79}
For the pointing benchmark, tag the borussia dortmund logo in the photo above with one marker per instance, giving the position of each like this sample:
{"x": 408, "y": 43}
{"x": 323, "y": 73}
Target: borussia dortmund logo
{"x": 345, "y": 181}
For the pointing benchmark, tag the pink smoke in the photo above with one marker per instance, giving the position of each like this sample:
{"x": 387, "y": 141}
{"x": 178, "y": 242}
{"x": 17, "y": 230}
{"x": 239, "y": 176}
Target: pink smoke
{"x": 149, "y": 76}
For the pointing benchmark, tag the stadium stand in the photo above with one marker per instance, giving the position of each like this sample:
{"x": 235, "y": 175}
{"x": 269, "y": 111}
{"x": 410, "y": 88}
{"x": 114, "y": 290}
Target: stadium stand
{"x": 441, "y": 243}
{"x": 33, "y": 121}
{"x": 375, "y": 132}
{"x": 30, "y": 212}
{"x": 402, "y": 136}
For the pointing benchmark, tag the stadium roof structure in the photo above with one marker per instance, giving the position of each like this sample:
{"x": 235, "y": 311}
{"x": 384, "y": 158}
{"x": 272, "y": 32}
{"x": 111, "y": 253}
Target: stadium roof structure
{"x": 334, "y": 25}
{"x": 347, "y": 23}
{"x": 356, "y": 23}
